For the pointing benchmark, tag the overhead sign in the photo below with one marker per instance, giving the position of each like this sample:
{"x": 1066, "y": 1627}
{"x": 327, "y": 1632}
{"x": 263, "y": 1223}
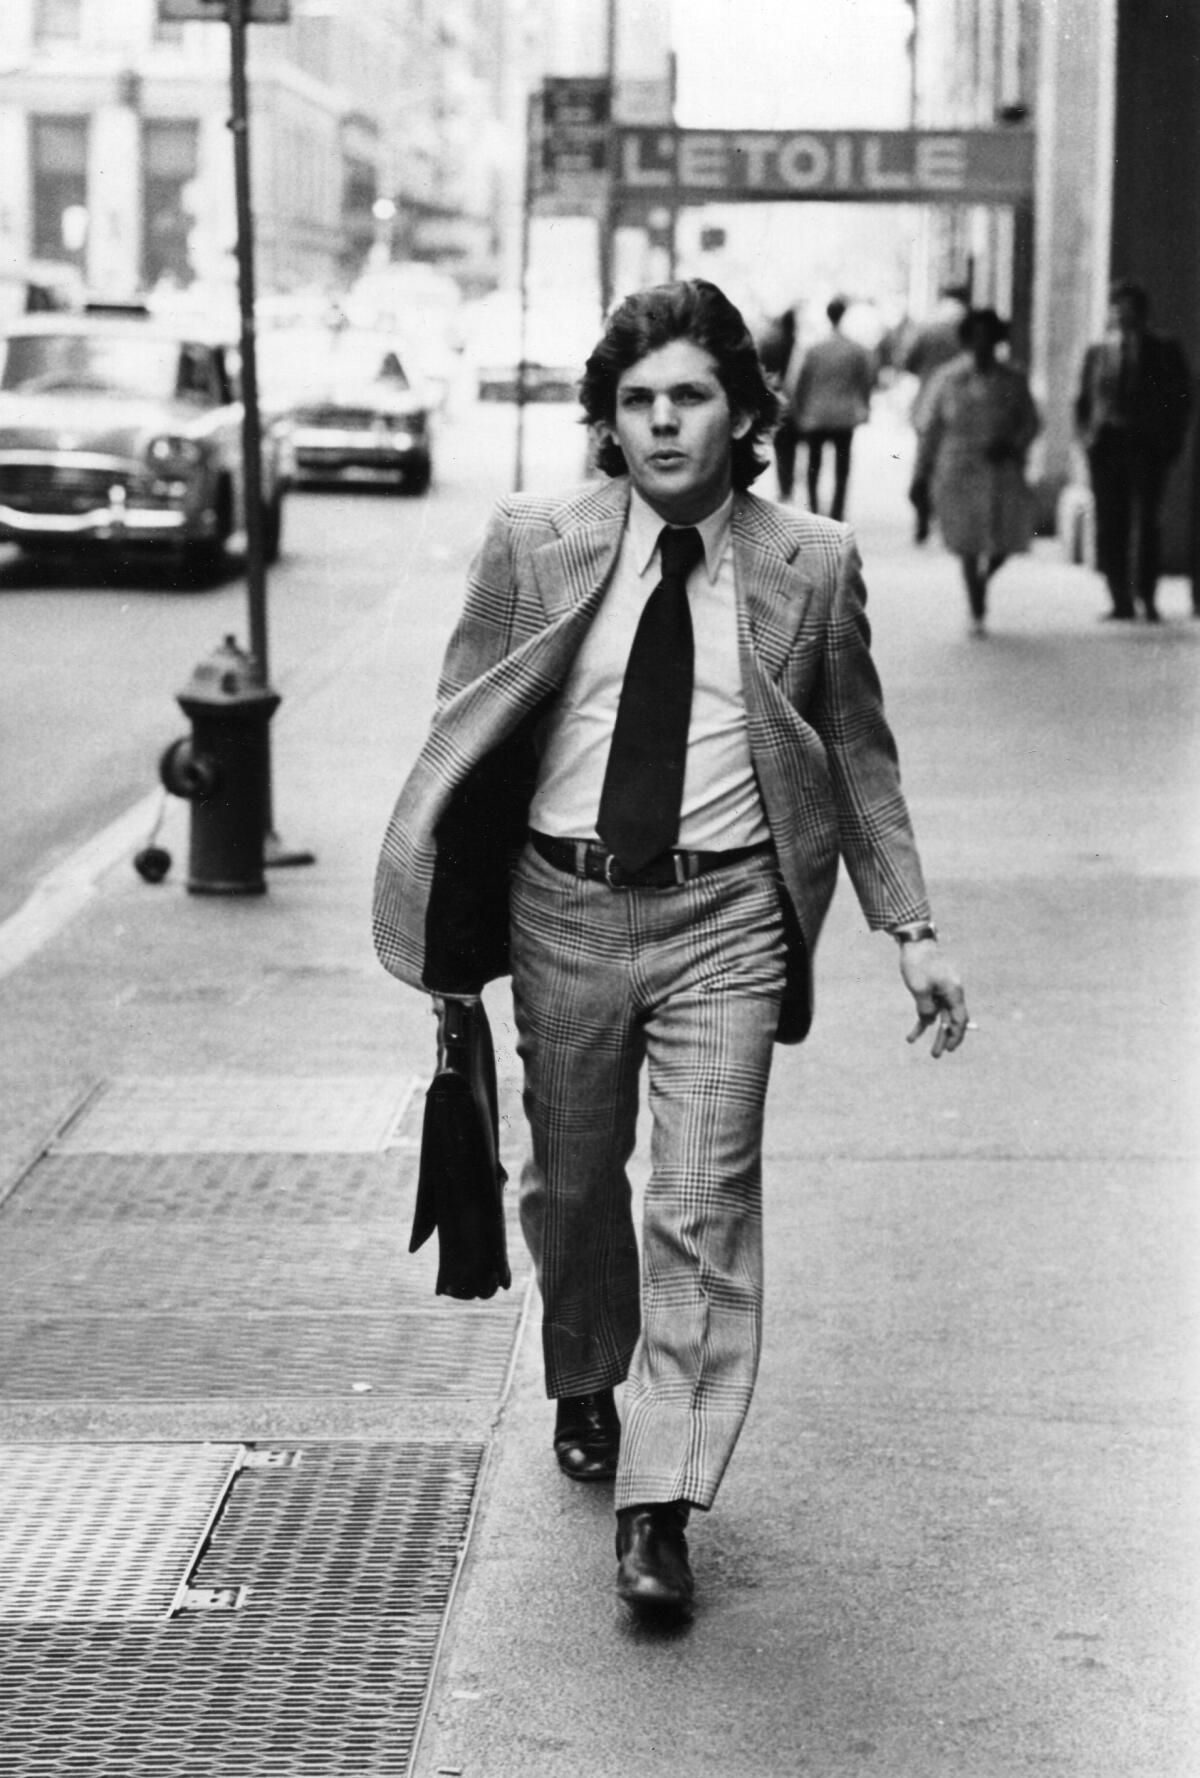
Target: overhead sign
{"x": 575, "y": 124}
{"x": 877, "y": 166}
{"x": 642, "y": 101}
{"x": 257, "y": 12}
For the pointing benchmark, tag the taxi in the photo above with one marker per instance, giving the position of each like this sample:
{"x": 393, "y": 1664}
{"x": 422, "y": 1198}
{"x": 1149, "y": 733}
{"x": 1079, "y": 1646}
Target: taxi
{"x": 123, "y": 430}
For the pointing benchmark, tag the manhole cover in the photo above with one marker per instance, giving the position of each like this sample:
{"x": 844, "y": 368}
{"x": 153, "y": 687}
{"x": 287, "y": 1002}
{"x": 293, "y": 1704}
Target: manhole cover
{"x": 347, "y": 1556}
{"x": 103, "y": 1531}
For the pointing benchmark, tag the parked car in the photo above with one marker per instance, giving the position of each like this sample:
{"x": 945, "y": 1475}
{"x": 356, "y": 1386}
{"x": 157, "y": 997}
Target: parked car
{"x": 420, "y": 306}
{"x": 352, "y": 409}
{"x": 122, "y": 430}
{"x": 35, "y": 285}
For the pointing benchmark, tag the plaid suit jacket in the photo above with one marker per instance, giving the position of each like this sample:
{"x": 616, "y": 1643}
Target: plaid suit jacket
{"x": 823, "y": 753}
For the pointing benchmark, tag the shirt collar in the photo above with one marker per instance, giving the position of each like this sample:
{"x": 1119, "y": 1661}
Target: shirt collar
{"x": 645, "y": 525}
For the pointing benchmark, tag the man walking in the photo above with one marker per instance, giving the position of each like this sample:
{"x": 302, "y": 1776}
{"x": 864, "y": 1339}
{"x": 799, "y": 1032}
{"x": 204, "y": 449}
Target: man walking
{"x": 777, "y": 352}
{"x": 658, "y": 729}
{"x": 832, "y": 396}
{"x": 1131, "y": 412}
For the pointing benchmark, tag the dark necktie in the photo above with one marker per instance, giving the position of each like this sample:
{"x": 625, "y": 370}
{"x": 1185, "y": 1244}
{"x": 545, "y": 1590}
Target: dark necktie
{"x": 643, "y": 782}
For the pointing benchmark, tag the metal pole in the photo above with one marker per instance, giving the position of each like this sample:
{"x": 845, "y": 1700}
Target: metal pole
{"x": 275, "y": 853}
{"x": 608, "y": 216}
{"x": 672, "y": 238}
{"x": 530, "y": 150}
{"x": 256, "y": 578}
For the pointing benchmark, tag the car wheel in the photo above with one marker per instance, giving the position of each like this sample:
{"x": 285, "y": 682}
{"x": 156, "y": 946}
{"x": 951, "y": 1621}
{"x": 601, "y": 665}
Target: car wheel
{"x": 204, "y": 558}
{"x": 417, "y": 480}
{"x": 272, "y": 528}
{"x": 204, "y": 561}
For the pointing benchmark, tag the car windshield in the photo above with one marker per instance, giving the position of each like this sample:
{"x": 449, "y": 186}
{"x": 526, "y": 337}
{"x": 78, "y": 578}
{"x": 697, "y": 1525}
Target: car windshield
{"x": 109, "y": 364}
{"x": 297, "y": 361}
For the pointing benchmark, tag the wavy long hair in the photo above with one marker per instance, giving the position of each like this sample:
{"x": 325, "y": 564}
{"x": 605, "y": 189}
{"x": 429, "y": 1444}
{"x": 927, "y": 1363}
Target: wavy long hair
{"x": 695, "y": 310}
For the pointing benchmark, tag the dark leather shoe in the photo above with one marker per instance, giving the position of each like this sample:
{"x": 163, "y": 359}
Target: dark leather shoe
{"x": 653, "y": 1572}
{"x": 587, "y": 1436}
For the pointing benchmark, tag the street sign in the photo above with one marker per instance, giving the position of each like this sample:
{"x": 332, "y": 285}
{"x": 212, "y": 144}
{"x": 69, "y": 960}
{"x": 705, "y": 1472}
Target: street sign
{"x": 257, "y": 12}
{"x": 581, "y": 194}
{"x": 642, "y": 101}
{"x": 876, "y": 166}
{"x": 575, "y": 123}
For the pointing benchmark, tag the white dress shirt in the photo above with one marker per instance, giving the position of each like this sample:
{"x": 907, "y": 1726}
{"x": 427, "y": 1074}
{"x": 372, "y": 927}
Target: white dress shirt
{"x": 721, "y": 805}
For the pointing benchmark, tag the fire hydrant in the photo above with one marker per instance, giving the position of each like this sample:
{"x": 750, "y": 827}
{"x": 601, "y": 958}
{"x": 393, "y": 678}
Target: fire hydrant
{"x": 223, "y": 768}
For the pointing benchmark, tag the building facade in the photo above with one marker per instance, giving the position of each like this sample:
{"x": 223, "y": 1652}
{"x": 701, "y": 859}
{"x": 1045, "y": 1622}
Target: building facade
{"x": 116, "y": 157}
{"x": 1110, "y": 88}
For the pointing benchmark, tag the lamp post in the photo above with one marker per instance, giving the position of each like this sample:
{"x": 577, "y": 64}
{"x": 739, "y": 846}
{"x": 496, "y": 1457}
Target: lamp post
{"x": 237, "y": 13}
{"x": 913, "y": 70}
{"x": 275, "y": 853}
{"x": 383, "y": 212}
{"x": 239, "y": 123}
{"x": 532, "y": 147}
{"x": 608, "y": 218}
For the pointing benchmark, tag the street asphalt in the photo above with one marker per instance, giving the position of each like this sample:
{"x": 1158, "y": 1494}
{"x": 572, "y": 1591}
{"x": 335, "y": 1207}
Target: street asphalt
{"x": 959, "y": 1536}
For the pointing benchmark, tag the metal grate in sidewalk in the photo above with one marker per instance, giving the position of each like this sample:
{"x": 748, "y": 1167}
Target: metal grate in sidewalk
{"x": 458, "y": 1351}
{"x": 334, "y": 1567}
{"x": 299, "y": 1190}
{"x": 239, "y": 1114}
{"x": 152, "y": 1278}
{"x": 103, "y": 1531}
{"x": 197, "y": 1267}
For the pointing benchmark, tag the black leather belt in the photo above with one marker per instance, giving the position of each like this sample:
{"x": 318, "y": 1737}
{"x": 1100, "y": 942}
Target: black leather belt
{"x": 586, "y": 858}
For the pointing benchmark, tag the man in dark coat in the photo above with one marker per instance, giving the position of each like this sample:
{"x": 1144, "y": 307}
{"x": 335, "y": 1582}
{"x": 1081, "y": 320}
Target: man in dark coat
{"x": 1131, "y": 412}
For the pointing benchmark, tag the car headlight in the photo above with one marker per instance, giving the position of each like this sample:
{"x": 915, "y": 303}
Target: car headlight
{"x": 175, "y": 456}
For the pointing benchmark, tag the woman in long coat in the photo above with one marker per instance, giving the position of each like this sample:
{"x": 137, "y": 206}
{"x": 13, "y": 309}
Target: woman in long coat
{"x": 978, "y": 425}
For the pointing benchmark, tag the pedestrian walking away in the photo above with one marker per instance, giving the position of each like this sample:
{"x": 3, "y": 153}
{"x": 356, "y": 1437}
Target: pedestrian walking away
{"x": 1131, "y": 413}
{"x": 831, "y": 397}
{"x": 657, "y": 731}
{"x": 934, "y": 344}
{"x": 978, "y": 425}
{"x": 778, "y": 352}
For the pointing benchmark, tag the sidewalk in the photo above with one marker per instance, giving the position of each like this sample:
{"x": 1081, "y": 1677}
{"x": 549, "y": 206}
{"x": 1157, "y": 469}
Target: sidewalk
{"x": 959, "y": 1536}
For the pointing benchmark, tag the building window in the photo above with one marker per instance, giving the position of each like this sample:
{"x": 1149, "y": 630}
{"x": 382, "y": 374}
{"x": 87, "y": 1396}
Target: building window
{"x": 58, "y": 168}
{"x": 169, "y": 161}
{"x": 166, "y": 30}
{"x": 56, "y": 21}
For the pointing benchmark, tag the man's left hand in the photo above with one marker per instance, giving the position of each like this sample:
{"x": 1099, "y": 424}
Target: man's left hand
{"x": 934, "y": 984}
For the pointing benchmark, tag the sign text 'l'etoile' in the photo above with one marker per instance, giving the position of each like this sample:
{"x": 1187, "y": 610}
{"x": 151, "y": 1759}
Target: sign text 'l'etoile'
{"x": 933, "y": 166}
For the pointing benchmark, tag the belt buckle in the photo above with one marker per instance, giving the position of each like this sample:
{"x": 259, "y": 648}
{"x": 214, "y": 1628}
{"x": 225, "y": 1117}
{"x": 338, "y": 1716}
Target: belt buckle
{"x": 610, "y": 860}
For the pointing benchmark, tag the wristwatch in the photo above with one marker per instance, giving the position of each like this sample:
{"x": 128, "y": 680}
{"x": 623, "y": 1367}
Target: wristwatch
{"x": 911, "y": 935}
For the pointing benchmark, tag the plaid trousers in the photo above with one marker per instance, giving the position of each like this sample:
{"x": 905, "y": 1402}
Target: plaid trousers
{"x": 689, "y": 980}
